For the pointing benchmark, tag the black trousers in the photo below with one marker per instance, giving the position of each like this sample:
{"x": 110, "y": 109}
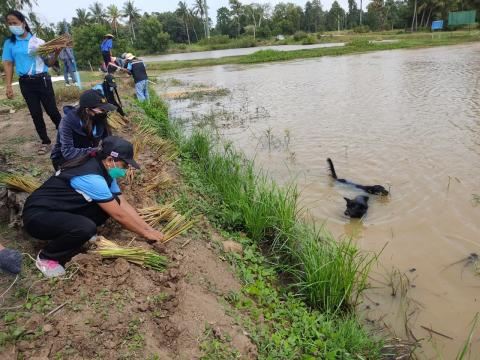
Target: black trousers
{"x": 64, "y": 231}
{"x": 38, "y": 91}
{"x": 106, "y": 58}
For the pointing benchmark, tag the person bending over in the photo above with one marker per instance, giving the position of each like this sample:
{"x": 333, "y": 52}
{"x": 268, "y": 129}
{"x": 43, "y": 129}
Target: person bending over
{"x": 82, "y": 195}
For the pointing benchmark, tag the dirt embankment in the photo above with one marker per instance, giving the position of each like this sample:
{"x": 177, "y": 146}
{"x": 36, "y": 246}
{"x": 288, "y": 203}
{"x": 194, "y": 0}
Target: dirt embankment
{"x": 112, "y": 309}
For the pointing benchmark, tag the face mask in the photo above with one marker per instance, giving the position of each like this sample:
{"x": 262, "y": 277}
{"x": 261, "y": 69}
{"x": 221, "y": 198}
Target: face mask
{"x": 99, "y": 116}
{"x": 117, "y": 172}
{"x": 16, "y": 29}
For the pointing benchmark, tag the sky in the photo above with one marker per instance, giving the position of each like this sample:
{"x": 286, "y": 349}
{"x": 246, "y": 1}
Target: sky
{"x": 52, "y": 11}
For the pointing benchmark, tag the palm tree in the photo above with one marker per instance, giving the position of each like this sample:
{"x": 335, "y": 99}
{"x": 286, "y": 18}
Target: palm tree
{"x": 182, "y": 12}
{"x": 132, "y": 13}
{"x": 98, "y": 12}
{"x": 236, "y": 8}
{"x": 199, "y": 9}
{"x": 83, "y": 17}
{"x": 191, "y": 15}
{"x": 113, "y": 15}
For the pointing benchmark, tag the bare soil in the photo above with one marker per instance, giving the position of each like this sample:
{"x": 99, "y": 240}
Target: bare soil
{"x": 111, "y": 309}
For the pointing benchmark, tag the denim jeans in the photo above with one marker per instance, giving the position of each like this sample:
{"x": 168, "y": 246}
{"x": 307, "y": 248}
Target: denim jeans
{"x": 141, "y": 88}
{"x": 68, "y": 69}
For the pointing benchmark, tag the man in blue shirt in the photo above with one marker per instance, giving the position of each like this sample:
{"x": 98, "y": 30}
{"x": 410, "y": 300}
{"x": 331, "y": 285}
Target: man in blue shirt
{"x": 32, "y": 70}
{"x": 106, "y": 48}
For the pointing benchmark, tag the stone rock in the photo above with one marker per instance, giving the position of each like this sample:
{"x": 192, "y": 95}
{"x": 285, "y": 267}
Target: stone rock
{"x": 47, "y": 328}
{"x": 231, "y": 246}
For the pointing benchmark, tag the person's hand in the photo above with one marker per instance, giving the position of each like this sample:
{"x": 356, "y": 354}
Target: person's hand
{"x": 9, "y": 92}
{"x": 153, "y": 235}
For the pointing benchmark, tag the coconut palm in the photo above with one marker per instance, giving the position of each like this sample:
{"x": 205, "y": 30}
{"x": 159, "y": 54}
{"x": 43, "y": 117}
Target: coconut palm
{"x": 199, "y": 9}
{"x": 191, "y": 15}
{"x": 132, "y": 13}
{"x": 83, "y": 17}
{"x": 182, "y": 13}
{"x": 98, "y": 12}
{"x": 113, "y": 16}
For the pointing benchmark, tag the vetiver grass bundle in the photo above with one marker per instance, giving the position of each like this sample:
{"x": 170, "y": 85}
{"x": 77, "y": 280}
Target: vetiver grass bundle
{"x": 146, "y": 258}
{"x": 176, "y": 223}
{"x": 61, "y": 42}
{"x": 154, "y": 215}
{"x": 177, "y": 226}
{"x": 116, "y": 121}
{"x": 19, "y": 182}
{"x": 160, "y": 182}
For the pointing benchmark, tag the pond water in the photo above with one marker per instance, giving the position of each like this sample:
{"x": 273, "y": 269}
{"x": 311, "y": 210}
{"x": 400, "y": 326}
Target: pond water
{"x": 234, "y": 52}
{"x": 405, "y": 119}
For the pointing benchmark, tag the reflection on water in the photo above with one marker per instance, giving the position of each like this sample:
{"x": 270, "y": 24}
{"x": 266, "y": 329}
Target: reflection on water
{"x": 405, "y": 119}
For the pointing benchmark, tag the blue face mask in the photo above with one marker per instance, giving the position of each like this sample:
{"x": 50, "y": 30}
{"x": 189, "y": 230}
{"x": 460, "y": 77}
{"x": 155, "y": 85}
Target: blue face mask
{"x": 16, "y": 29}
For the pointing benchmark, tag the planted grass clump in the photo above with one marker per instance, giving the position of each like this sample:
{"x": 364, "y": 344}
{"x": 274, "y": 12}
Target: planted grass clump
{"x": 19, "y": 182}
{"x": 329, "y": 274}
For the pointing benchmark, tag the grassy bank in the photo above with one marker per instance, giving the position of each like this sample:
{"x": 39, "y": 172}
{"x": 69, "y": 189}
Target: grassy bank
{"x": 321, "y": 273}
{"x": 356, "y": 44}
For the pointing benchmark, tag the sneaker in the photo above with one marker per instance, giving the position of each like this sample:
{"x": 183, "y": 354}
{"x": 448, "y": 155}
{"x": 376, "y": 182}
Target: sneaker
{"x": 49, "y": 268}
{"x": 67, "y": 84}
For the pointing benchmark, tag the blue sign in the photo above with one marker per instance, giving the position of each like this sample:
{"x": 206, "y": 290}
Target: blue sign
{"x": 437, "y": 25}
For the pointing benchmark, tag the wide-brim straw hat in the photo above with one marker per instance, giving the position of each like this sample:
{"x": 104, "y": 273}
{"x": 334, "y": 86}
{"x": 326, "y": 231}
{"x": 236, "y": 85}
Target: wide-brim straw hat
{"x": 129, "y": 56}
{"x": 108, "y": 35}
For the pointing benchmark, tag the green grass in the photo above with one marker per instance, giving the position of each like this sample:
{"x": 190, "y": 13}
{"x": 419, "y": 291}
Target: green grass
{"x": 328, "y": 274}
{"x": 280, "y": 323}
{"x": 357, "y": 44}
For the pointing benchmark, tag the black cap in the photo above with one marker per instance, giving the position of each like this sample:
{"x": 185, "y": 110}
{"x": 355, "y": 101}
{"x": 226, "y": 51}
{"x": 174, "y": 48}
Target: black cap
{"x": 110, "y": 80}
{"x": 93, "y": 99}
{"x": 118, "y": 148}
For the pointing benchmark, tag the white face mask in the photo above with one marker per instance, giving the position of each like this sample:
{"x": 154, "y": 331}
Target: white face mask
{"x": 16, "y": 29}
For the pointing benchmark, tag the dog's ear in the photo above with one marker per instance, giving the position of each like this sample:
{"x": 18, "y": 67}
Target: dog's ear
{"x": 347, "y": 200}
{"x": 366, "y": 198}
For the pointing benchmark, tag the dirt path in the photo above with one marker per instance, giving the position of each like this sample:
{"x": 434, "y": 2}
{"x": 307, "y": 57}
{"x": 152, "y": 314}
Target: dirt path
{"x": 112, "y": 309}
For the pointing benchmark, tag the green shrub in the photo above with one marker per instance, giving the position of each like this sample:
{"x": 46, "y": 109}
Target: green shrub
{"x": 217, "y": 39}
{"x": 310, "y": 39}
{"x": 361, "y": 29}
{"x": 300, "y": 35}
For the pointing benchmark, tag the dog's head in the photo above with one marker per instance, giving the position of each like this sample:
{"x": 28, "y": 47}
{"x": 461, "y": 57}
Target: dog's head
{"x": 377, "y": 190}
{"x": 357, "y": 207}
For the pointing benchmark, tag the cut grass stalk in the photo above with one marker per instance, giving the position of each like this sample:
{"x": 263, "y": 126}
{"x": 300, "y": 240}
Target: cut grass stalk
{"x": 116, "y": 121}
{"x": 154, "y": 215}
{"x": 160, "y": 182}
{"x": 146, "y": 258}
{"x": 19, "y": 182}
{"x": 177, "y": 226}
{"x": 61, "y": 42}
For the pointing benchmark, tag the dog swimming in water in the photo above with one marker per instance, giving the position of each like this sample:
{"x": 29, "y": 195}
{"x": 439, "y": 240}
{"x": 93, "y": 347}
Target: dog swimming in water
{"x": 370, "y": 189}
{"x": 357, "y": 207}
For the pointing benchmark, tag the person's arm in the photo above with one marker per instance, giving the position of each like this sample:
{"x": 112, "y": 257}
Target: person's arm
{"x": 133, "y": 213}
{"x": 110, "y": 47}
{"x": 124, "y": 218}
{"x": 8, "y": 66}
{"x": 69, "y": 151}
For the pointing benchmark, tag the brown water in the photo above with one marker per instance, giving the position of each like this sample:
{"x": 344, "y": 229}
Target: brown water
{"x": 409, "y": 119}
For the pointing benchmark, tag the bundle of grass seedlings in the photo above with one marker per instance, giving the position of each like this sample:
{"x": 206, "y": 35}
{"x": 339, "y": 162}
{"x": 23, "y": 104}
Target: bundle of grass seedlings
{"x": 61, "y": 42}
{"x": 116, "y": 121}
{"x": 146, "y": 258}
{"x": 161, "y": 181}
{"x": 19, "y": 182}
{"x": 176, "y": 223}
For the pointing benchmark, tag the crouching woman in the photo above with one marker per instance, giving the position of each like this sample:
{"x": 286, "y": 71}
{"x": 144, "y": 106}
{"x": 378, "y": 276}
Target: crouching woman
{"x": 82, "y": 195}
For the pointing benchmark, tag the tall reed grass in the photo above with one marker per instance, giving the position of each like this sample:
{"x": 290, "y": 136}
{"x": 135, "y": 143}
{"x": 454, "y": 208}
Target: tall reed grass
{"x": 330, "y": 274}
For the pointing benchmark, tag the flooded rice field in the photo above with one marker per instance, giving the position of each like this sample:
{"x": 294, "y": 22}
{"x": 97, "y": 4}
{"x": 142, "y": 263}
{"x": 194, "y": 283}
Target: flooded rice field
{"x": 406, "y": 119}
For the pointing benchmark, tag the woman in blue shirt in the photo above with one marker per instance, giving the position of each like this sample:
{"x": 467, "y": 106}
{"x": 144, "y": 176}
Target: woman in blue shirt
{"x": 83, "y": 194}
{"x": 35, "y": 83}
{"x": 106, "y": 48}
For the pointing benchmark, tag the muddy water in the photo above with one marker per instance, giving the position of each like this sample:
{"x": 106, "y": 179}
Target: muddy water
{"x": 407, "y": 119}
{"x": 234, "y": 52}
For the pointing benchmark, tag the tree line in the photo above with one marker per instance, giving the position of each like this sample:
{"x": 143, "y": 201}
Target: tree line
{"x": 137, "y": 31}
